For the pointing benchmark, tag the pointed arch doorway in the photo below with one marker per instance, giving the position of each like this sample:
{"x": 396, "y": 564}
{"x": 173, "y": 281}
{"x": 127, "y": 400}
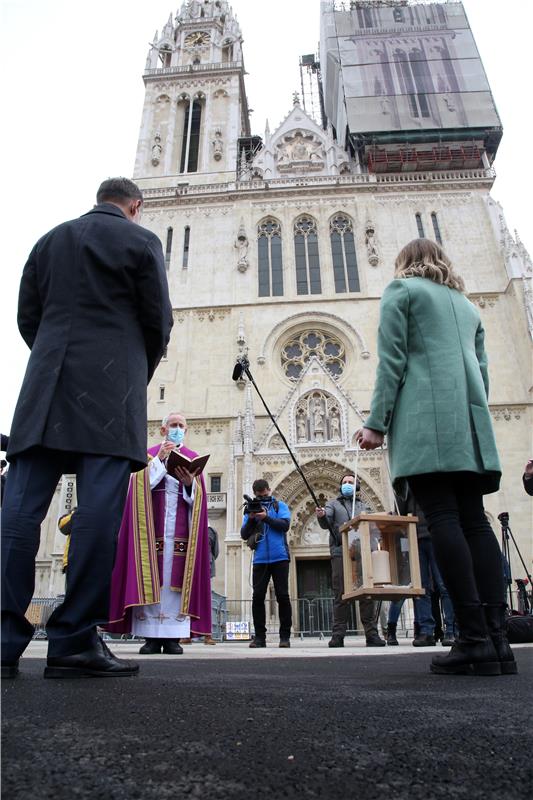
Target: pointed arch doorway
{"x": 310, "y": 568}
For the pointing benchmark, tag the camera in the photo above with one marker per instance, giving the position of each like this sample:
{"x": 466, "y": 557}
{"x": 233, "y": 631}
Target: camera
{"x": 252, "y": 505}
{"x": 504, "y": 518}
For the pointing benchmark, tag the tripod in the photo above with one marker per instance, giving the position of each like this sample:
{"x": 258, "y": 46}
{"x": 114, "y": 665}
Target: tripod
{"x": 507, "y": 535}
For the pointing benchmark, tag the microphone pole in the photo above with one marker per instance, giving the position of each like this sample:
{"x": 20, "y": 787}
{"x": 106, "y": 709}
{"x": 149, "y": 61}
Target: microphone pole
{"x": 243, "y": 365}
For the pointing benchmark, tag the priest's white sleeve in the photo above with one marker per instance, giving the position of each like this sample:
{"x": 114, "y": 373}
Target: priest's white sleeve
{"x": 157, "y": 471}
{"x": 189, "y": 492}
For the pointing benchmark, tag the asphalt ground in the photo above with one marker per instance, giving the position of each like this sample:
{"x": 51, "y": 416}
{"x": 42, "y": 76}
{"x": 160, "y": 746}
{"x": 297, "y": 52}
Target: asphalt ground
{"x": 231, "y": 723}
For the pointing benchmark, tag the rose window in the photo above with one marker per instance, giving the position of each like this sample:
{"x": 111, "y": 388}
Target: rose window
{"x": 298, "y": 350}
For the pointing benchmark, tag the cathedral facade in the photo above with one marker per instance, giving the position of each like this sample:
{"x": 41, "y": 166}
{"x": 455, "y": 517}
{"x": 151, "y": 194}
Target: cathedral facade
{"x": 278, "y": 248}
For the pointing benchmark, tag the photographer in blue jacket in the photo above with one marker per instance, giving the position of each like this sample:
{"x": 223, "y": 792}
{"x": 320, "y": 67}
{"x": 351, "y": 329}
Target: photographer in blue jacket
{"x": 264, "y": 528}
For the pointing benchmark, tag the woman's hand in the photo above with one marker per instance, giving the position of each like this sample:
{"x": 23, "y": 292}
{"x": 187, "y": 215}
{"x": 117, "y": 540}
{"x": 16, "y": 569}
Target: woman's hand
{"x": 367, "y": 439}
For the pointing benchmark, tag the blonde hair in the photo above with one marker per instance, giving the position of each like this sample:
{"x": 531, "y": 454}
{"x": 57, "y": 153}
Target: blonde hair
{"x": 423, "y": 258}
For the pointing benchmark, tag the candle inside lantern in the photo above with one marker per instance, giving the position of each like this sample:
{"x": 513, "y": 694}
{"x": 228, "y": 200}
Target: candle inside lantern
{"x": 381, "y": 566}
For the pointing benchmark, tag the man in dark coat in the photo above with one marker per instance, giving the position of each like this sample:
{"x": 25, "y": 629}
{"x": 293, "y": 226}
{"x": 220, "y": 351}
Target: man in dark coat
{"x": 94, "y": 309}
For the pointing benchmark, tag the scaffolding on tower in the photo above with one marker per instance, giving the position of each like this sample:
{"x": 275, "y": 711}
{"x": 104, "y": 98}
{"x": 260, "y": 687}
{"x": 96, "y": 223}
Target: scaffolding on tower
{"x": 311, "y": 83}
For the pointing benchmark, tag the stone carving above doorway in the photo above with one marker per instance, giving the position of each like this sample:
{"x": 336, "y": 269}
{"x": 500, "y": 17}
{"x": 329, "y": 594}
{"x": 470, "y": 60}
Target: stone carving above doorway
{"x": 318, "y": 418}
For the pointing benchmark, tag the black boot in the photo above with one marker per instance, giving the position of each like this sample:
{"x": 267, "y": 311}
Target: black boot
{"x": 391, "y": 634}
{"x": 473, "y": 653}
{"x": 495, "y": 617}
{"x": 256, "y": 642}
{"x": 151, "y": 647}
{"x": 172, "y": 647}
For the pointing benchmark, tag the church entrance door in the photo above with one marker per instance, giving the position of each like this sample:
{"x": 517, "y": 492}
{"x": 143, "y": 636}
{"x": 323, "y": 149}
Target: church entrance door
{"x": 315, "y": 595}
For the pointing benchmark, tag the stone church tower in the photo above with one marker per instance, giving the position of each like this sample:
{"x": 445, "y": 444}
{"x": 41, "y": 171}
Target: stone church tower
{"x": 279, "y": 247}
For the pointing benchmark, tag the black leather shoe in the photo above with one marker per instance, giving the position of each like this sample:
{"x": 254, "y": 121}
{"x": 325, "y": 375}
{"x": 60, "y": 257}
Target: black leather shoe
{"x": 468, "y": 658}
{"x": 447, "y": 640}
{"x": 391, "y": 639}
{"x": 257, "y": 642}
{"x": 171, "y": 647}
{"x": 375, "y": 640}
{"x": 10, "y": 670}
{"x": 336, "y": 641}
{"x": 424, "y": 640}
{"x": 151, "y": 647}
{"x": 98, "y": 662}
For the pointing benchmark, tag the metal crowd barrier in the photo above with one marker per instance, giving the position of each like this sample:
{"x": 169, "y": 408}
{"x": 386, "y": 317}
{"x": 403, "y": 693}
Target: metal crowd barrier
{"x": 38, "y": 613}
{"x": 311, "y": 617}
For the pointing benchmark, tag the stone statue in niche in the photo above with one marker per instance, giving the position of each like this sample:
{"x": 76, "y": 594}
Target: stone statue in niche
{"x": 301, "y": 426}
{"x": 156, "y": 149}
{"x": 217, "y": 145}
{"x": 371, "y": 245}
{"x": 241, "y": 244}
{"x": 318, "y": 420}
{"x": 335, "y": 425}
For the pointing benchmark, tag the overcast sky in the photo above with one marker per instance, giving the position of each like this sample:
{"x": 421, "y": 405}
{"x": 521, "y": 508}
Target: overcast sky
{"x": 73, "y": 96}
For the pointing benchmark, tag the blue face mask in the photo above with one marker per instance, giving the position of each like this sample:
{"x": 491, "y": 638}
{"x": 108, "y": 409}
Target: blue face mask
{"x": 347, "y": 489}
{"x": 175, "y": 435}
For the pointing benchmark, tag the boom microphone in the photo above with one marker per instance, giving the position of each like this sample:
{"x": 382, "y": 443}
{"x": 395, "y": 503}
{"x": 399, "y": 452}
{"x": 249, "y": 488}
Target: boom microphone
{"x": 240, "y": 367}
{"x": 243, "y": 365}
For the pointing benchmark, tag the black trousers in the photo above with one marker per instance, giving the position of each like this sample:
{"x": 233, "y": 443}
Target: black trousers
{"x": 261, "y": 574}
{"x": 102, "y": 484}
{"x": 367, "y": 607}
{"x": 466, "y": 549}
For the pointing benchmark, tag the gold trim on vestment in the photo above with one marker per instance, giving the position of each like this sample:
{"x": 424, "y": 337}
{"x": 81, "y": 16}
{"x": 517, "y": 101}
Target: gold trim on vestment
{"x": 190, "y": 560}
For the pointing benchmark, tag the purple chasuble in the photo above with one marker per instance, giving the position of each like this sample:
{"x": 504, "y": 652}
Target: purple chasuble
{"x": 138, "y": 571}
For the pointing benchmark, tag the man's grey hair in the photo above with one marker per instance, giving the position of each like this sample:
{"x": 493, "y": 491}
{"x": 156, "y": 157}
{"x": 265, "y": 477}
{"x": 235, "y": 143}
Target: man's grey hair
{"x": 164, "y": 421}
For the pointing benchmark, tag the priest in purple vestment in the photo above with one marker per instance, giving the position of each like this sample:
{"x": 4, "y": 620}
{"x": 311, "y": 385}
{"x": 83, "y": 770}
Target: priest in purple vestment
{"x": 160, "y": 588}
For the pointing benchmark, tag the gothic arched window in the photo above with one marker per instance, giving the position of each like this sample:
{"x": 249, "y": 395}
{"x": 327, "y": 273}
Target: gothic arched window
{"x": 297, "y": 351}
{"x": 306, "y": 256}
{"x": 343, "y": 254}
{"x": 269, "y": 258}
{"x": 186, "y": 245}
{"x": 436, "y": 227}
{"x": 419, "y": 226}
{"x": 168, "y": 249}
{"x": 190, "y": 147}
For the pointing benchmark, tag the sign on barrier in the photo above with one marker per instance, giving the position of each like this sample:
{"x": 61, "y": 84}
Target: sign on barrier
{"x": 236, "y": 631}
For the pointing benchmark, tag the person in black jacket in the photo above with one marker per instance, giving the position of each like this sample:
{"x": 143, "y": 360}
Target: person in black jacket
{"x": 527, "y": 477}
{"x": 95, "y": 312}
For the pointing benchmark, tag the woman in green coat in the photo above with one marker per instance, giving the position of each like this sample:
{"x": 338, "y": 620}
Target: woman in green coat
{"x": 430, "y": 398}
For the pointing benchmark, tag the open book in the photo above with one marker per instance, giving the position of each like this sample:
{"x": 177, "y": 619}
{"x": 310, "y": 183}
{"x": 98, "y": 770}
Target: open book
{"x": 177, "y": 459}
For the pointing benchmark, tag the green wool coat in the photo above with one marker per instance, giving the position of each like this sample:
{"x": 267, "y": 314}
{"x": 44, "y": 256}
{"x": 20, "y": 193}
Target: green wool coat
{"x": 432, "y": 384}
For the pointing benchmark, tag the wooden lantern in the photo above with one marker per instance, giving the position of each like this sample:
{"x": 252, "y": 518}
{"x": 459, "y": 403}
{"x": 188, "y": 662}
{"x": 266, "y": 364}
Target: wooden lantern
{"x": 380, "y": 557}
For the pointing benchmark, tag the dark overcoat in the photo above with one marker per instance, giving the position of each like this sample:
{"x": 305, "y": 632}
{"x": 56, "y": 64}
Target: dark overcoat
{"x": 432, "y": 384}
{"x": 94, "y": 309}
